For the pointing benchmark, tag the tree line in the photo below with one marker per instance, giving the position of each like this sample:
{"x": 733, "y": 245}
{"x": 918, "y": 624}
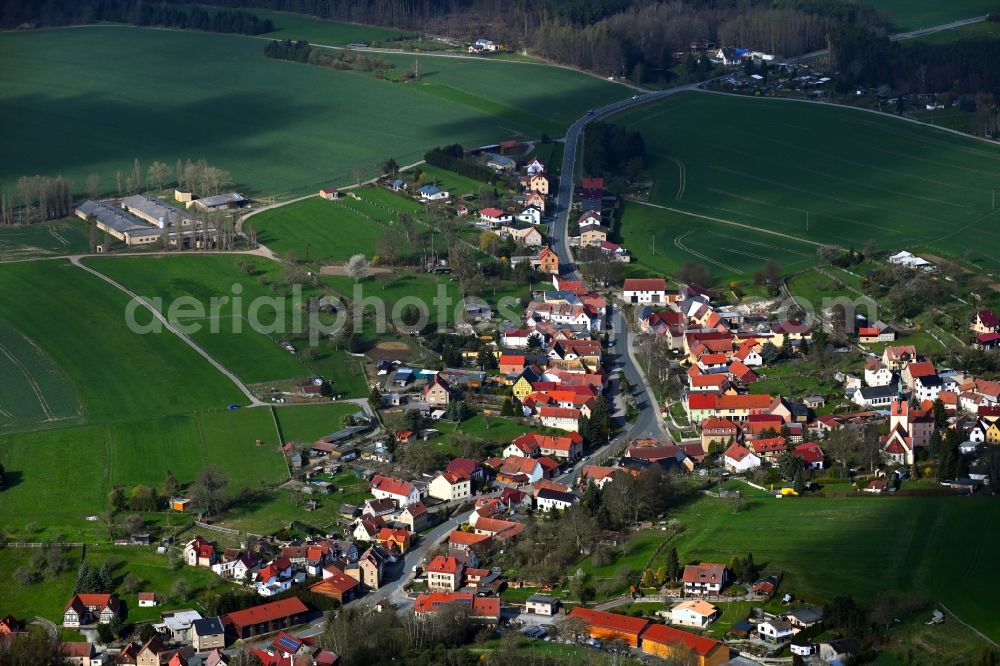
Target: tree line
{"x": 16, "y": 13}
{"x": 452, "y": 158}
{"x": 637, "y": 39}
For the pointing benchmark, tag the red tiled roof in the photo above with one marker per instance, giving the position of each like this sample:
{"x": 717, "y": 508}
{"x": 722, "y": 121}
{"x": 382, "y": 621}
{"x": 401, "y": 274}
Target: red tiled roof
{"x": 706, "y": 572}
{"x": 336, "y": 585}
{"x": 988, "y": 318}
{"x": 701, "y": 401}
{"x": 768, "y": 445}
{"x": 746, "y": 401}
{"x": 461, "y": 538}
{"x": 714, "y": 423}
{"x": 391, "y": 485}
{"x": 559, "y": 412}
{"x": 737, "y": 452}
{"x": 921, "y": 369}
{"x": 664, "y": 635}
{"x": 645, "y": 284}
{"x": 442, "y": 564}
{"x": 809, "y": 452}
{"x": 622, "y": 624}
{"x": 491, "y": 212}
{"x": 276, "y": 610}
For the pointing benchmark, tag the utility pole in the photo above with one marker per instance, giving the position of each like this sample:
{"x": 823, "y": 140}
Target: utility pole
{"x": 807, "y": 221}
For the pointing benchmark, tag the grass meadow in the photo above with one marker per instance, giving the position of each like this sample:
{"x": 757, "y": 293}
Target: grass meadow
{"x": 33, "y": 393}
{"x": 914, "y": 14}
{"x": 256, "y": 357}
{"x": 55, "y": 238}
{"x": 78, "y": 321}
{"x": 860, "y": 545}
{"x": 769, "y": 163}
{"x": 319, "y": 31}
{"x": 90, "y": 459}
{"x": 308, "y": 423}
{"x": 298, "y": 127}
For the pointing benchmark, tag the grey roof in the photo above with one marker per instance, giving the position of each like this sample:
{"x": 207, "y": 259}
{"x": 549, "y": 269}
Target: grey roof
{"x": 874, "y": 392}
{"x": 208, "y": 626}
{"x": 806, "y": 614}
{"x": 500, "y": 159}
{"x": 559, "y": 496}
{"x": 541, "y": 599}
{"x": 153, "y": 208}
{"x": 117, "y": 219}
{"x": 222, "y": 200}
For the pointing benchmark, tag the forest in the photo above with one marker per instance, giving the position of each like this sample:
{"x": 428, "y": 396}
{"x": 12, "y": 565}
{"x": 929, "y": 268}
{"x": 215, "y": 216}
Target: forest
{"x": 639, "y": 39}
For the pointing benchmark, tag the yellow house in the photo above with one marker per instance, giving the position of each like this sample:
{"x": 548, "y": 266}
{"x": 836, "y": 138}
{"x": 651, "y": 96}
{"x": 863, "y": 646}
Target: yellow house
{"x": 539, "y": 183}
{"x": 993, "y": 433}
{"x": 521, "y": 388}
{"x": 593, "y": 237}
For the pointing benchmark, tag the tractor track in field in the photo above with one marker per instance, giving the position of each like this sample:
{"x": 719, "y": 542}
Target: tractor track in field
{"x": 679, "y": 242}
{"x": 681, "y": 178}
{"x": 36, "y": 389}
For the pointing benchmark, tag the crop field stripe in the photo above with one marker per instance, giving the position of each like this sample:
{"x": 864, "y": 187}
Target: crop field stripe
{"x": 679, "y": 242}
{"x": 31, "y": 381}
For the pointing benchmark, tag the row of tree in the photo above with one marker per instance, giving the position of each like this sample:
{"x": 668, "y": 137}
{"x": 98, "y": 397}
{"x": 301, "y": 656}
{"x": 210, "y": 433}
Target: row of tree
{"x": 15, "y": 13}
{"x": 36, "y": 199}
{"x": 452, "y": 158}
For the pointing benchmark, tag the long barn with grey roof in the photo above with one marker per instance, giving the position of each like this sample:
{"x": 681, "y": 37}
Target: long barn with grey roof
{"x": 119, "y": 223}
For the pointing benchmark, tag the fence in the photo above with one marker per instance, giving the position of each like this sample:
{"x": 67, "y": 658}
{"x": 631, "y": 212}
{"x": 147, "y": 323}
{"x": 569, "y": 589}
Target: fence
{"x": 224, "y": 530}
{"x": 68, "y": 544}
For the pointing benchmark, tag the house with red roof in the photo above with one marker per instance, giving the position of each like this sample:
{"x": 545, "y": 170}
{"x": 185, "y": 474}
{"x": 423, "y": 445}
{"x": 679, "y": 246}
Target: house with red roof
{"x": 449, "y": 486}
{"x": 532, "y": 444}
{"x": 86, "y": 609}
{"x": 444, "y": 573}
{"x": 739, "y": 372}
{"x": 274, "y": 578}
{"x": 768, "y": 448}
{"x": 739, "y": 460}
{"x": 494, "y": 217}
{"x": 394, "y": 540}
{"x": 985, "y": 321}
{"x": 669, "y": 643}
{"x": 707, "y": 578}
{"x": 548, "y": 261}
{"x": 198, "y": 552}
{"x": 480, "y": 609}
{"x": 810, "y": 454}
{"x": 518, "y": 470}
{"x": 748, "y": 353}
{"x": 403, "y": 492}
{"x": 987, "y": 341}
{"x": 645, "y": 290}
{"x": 511, "y": 364}
{"x": 561, "y": 418}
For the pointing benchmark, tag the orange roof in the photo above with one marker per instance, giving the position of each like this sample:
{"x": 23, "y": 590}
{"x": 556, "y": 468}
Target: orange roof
{"x": 335, "y": 585}
{"x": 716, "y": 380}
{"x": 921, "y": 369}
{"x": 737, "y": 452}
{"x": 746, "y": 401}
{"x": 276, "y": 610}
{"x": 461, "y": 538}
{"x": 391, "y": 485}
{"x": 664, "y": 635}
{"x": 713, "y": 359}
{"x": 442, "y": 564}
{"x": 559, "y": 412}
{"x": 612, "y": 621}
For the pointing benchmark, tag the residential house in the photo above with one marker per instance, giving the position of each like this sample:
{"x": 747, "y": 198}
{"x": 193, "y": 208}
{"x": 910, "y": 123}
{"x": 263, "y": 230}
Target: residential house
{"x": 265, "y": 619}
{"x": 694, "y": 613}
{"x": 704, "y": 579}
{"x": 538, "y": 182}
{"x": 371, "y": 565}
{"x": 198, "y": 552}
{"x": 395, "y": 541}
{"x": 898, "y": 357}
{"x": 874, "y": 396}
{"x": 208, "y": 634}
{"x": 804, "y": 617}
{"x": 480, "y": 609}
{"x": 535, "y": 199}
{"x": 432, "y": 193}
{"x": 669, "y": 643}
{"x": 541, "y": 604}
{"x": 985, "y": 321}
{"x": 86, "y": 609}
{"x": 548, "y": 261}
{"x": 645, "y": 290}
{"x": 841, "y": 650}
{"x": 404, "y": 492}
{"x": 152, "y": 653}
{"x": 518, "y": 471}
{"x": 494, "y": 217}
{"x": 501, "y": 163}
{"x": 449, "y": 486}
{"x": 147, "y": 599}
{"x": 561, "y": 418}
{"x": 82, "y": 654}
{"x": 511, "y": 364}
{"x": 548, "y": 500}
{"x": 739, "y": 459}
{"x": 436, "y": 392}
{"x": 274, "y": 578}
{"x": 775, "y": 631}
{"x": 928, "y": 387}
{"x": 534, "y": 166}
{"x": 810, "y": 454}
{"x": 444, "y": 573}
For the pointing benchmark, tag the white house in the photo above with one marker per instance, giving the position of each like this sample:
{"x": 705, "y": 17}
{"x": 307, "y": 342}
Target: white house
{"x": 928, "y": 387}
{"x": 534, "y": 166}
{"x": 548, "y": 500}
{"x": 432, "y": 193}
{"x": 775, "y": 630}
{"x": 738, "y": 459}
{"x": 147, "y": 599}
{"x": 495, "y": 217}
{"x": 541, "y": 604}
{"x": 645, "y": 290}
{"x": 877, "y": 374}
{"x": 449, "y": 486}
{"x": 561, "y": 418}
{"x": 404, "y": 492}
{"x": 531, "y": 215}
{"x": 694, "y": 613}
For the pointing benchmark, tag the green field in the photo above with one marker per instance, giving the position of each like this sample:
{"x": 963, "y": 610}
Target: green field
{"x": 317, "y": 229}
{"x": 914, "y": 14}
{"x": 769, "y": 163}
{"x": 308, "y": 423}
{"x": 59, "y": 237}
{"x": 298, "y": 127}
{"x": 859, "y": 546}
{"x": 328, "y": 33}
{"x": 62, "y": 476}
{"x": 116, "y": 373}
{"x": 33, "y": 393}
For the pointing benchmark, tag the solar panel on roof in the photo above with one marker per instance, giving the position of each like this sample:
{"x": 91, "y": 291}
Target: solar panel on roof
{"x": 289, "y": 643}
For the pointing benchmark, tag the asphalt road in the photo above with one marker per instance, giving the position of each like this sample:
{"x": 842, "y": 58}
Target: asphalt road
{"x": 649, "y": 422}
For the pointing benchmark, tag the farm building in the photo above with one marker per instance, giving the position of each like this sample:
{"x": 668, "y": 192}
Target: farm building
{"x": 329, "y": 193}
{"x": 220, "y": 202}
{"x": 120, "y": 224}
